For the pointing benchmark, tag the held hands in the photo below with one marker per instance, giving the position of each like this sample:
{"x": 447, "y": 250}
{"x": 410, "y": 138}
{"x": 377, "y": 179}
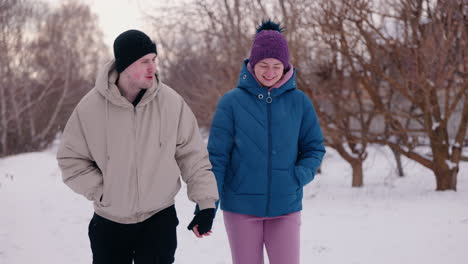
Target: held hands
{"x": 202, "y": 222}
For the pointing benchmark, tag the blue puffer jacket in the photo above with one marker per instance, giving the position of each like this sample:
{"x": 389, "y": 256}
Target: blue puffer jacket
{"x": 263, "y": 152}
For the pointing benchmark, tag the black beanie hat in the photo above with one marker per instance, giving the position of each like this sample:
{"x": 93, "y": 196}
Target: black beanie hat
{"x": 130, "y": 46}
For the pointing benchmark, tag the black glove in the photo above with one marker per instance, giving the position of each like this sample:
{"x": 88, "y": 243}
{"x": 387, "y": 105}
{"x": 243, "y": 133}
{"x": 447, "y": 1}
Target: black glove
{"x": 204, "y": 220}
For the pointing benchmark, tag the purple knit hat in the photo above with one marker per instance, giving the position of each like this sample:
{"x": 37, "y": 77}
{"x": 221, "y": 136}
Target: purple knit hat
{"x": 269, "y": 43}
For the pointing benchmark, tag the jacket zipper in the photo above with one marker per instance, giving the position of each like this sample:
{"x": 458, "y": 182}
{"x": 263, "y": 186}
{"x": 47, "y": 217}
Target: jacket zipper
{"x": 268, "y": 101}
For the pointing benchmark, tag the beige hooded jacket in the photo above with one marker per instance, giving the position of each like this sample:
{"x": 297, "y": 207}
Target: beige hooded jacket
{"x": 127, "y": 159}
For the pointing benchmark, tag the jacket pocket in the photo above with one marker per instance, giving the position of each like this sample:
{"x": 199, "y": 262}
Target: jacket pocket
{"x": 303, "y": 175}
{"x": 247, "y": 181}
{"x": 106, "y": 189}
{"x": 105, "y": 198}
{"x": 234, "y": 179}
{"x": 284, "y": 182}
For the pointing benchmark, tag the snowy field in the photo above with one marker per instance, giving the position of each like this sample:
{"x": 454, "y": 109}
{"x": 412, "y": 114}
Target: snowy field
{"x": 389, "y": 221}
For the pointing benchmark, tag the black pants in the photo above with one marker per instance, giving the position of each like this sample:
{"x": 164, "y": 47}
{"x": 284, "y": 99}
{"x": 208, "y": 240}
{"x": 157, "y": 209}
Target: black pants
{"x": 152, "y": 241}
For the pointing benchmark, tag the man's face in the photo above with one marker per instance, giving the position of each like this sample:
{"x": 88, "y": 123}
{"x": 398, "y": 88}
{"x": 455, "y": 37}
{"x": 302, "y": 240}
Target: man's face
{"x": 140, "y": 73}
{"x": 269, "y": 71}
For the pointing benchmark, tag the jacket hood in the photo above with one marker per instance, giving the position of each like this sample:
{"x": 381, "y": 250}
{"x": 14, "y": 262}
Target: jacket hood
{"x": 248, "y": 82}
{"x": 107, "y": 87}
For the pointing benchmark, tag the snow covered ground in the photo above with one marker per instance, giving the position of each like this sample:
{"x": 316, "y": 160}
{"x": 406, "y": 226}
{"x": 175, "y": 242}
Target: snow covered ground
{"x": 390, "y": 220}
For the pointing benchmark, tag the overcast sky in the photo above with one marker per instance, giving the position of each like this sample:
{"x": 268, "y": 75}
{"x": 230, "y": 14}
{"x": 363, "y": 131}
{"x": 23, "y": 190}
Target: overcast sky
{"x": 117, "y": 16}
{"x": 125, "y": 15}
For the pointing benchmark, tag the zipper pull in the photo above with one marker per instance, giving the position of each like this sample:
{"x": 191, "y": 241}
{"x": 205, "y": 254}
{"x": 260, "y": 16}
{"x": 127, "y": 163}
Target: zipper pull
{"x": 269, "y": 99}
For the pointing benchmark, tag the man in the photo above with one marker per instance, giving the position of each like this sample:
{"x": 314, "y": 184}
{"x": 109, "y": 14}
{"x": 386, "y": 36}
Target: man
{"x": 124, "y": 148}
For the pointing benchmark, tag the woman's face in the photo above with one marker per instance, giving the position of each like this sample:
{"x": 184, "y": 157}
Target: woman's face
{"x": 269, "y": 71}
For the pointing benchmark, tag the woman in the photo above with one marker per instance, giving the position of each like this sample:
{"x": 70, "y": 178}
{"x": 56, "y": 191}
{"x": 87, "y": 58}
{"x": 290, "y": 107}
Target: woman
{"x": 265, "y": 144}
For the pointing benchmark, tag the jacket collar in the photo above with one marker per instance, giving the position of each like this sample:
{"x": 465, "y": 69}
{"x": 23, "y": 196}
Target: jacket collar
{"x": 248, "y": 82}
{"x": 106, "y": 85}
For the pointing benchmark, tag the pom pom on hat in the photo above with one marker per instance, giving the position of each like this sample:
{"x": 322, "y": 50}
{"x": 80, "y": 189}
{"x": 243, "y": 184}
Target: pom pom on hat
{"x": 269, "y": 43}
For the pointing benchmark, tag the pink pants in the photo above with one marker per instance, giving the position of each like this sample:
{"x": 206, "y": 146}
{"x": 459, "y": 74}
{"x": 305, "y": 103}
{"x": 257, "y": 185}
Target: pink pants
{"x": 247, "y": 234}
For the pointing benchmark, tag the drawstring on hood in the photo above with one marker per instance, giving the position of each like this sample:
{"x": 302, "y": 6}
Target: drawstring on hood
{"x": 162, "y": 122}
{"x": 107, "y": 131}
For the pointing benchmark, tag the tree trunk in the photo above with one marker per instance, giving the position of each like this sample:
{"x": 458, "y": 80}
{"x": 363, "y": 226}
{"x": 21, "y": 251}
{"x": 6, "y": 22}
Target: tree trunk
{"x": 356, "y": 165}
{"x": 358, "y": 179}
{"x": 446, "y": 177}
{"x": 397, "y": 155}
{"x": 3, "y": 123}
{"x": 444, "y": 168}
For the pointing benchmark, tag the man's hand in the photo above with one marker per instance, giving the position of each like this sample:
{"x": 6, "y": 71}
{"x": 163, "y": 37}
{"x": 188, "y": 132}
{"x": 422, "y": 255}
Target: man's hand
{"x": 202, "y": 222}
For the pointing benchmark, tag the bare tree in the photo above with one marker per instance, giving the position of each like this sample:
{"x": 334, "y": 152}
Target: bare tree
{"x": 377, "y": 72}
{"x": 204, "y": 63}
{"x": 50, "y": 65}
{"x": 418, "y": 48}
{"x": 345, "y": 115}
{"x": 205, "y": 42}
{"x": 13, "y": 17}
